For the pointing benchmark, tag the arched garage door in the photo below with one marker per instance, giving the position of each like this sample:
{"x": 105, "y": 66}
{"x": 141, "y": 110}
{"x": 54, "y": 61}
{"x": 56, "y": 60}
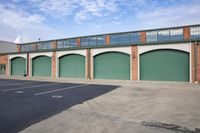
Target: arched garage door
{"x": 18, "y": 66}
{"x": 164, "y": 65}
{"x": 41, "y": 66}
{"x": 72, "y": 66}
{"x": 112, "y": 65}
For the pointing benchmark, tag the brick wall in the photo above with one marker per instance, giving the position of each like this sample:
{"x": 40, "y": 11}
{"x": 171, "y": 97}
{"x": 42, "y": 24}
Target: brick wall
{"x": 4, "y": 60}
{"x": 54, "y": 65}
{"x": 186, "y": 33}
{"x": 143, "y": 37}
{"x": 198, "y": 61}
{"x": 28, "y": 65}
{"x": 134, "y": 55}
{"x": 107, "y": 40}
{"x": 87, "y": 64}
{"x": 195, "y": 54}
{"x": 18, "y": 48}
{"x": 91, "y": 65}
{"x": 54, "y": 44}
{"x": 192, "y": 63}
{"x": 78, "y": 41}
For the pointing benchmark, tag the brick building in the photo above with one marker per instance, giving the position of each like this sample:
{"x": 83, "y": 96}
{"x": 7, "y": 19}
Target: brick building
{"x": 165, "y": 54}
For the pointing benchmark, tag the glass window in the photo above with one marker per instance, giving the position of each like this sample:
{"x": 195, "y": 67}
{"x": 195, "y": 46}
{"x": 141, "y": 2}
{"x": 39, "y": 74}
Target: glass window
{"x": 70, "y": 43}
{"x": 26, "y": 47}
{"x": 122, "y": 38}
{"x": 195, "y": 32}
{"x": 67, "y": 43}
{"x": 60, "y": 44}
{"x": 152, "y": 36}
{"x": 92, "y": 41}
{"x": 176, "y": 34}
{"x": 84, "y": 41}
{"x": 163, "y": 35}
{"x": 44, "y": 45}
{"x": 134, "y": 37}
{"x": 101, "y": 40}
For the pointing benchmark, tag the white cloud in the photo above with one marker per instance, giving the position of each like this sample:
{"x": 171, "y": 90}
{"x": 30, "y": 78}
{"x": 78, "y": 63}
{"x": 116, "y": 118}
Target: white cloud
{"x": 171, "y": 15}
{"x": 15, "y": 23}
{"x": 81, "y": 8}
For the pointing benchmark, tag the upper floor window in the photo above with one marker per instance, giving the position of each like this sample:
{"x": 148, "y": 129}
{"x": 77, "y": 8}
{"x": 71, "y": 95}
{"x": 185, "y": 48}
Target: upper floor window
{"x": 44, "y": 45}
{"x": 69, "y": 43}
{"x": 122, "y": 38}
{"x": 93, "y": 40}
{"x": 195, "y": 32}
{"x": 134, "y": 37}
{"x": 101, "y": 39}
{"x": 26, "y": 47}
{"x": 164, "y": 35}
{"x": 176, "y": 34}
{"x": 152, "y": 36}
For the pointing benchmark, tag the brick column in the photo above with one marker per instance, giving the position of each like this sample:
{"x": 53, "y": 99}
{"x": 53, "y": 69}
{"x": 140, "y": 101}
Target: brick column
{"x": 18, "y": 48}
{"x": 195, "y": 54}
{"x": 143, "y": 37}
{"x": 54, "y": 44}
{"x": 107, "y": 40}
{"x": 134, "y": 55}
{"x": 34, "y": 46}
{"x": 192, "y": 63}
{"x": 87, "y": 70}
{"x": 198, "y": 61}
{"x": 28, "y": 65}
{"x": 91, "y": 65}
{"x": 186, "y": 33}
{"x": 54, "y": 65}
{"x": 78, "y": 41}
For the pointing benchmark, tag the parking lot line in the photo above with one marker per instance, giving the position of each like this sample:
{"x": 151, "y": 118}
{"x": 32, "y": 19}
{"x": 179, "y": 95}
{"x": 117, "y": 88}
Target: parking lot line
{"x": 16, "y": 83}
{"x": 47, "y": 92}
{"x": 12, "y": 89}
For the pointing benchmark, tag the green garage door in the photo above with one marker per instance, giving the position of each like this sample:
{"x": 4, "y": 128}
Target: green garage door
{"x": 112, "y": 65}
{"x": 72, "y": 66}
{"x": 164, "y": 65}
{"x": 41, "y": 66}
{"x": 18, "y": 66}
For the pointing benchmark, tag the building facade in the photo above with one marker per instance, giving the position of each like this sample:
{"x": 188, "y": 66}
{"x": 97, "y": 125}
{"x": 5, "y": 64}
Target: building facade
{"x": 166, "y": 54}
{"x": 5, "y": 47}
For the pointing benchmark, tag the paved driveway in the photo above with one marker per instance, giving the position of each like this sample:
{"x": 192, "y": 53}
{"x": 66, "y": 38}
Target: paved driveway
{"x": 23, "y": 102}
{"x": 142, "y": 107}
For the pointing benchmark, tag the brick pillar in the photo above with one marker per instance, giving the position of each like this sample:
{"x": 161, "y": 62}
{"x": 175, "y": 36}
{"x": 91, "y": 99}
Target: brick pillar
{"x": 54, "y": 65}
{"x": 78, "y": 41}
{"x": 134, "y": 55}
{"x": 193, "y": 62}
{"x": 195, "y": 53}
{"x": 18, "y": 48}
{"x": 186, "y": 33}
{"x": 54, "y": 44}
{"x": 28, "y": 65}
{"x": 34, "y": 46}
{"x": 143, "y": 37}
{"x": 198, "y": 61}
{"x": 91, "y": 65}
{"x": 107, "y": 40}
{"x": 87, "y": 72}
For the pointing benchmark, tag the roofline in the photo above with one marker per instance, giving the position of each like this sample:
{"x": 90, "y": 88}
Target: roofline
{"x": 145, "y": 30}
{"x": 7, "y": 41}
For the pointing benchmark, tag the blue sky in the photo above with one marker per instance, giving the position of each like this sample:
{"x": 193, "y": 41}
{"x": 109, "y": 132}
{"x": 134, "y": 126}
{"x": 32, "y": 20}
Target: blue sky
{"x": 29, "y": 20}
